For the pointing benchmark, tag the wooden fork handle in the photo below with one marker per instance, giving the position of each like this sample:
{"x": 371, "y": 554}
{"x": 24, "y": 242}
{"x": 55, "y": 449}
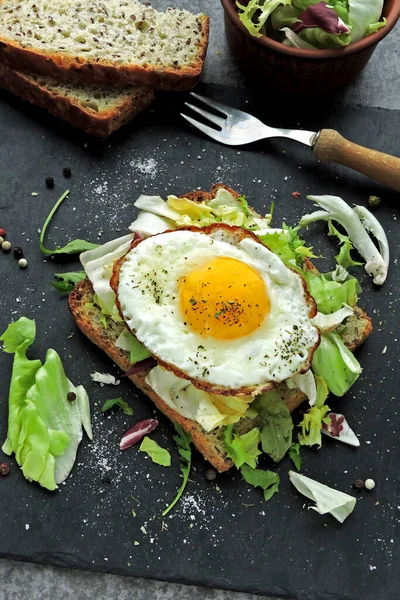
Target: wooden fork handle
{"x": 332, "y": 147}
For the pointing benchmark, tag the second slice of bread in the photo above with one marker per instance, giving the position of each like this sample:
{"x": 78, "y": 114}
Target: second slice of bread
{"x": 95, "y": 109}
{"x": 106, "y": 42}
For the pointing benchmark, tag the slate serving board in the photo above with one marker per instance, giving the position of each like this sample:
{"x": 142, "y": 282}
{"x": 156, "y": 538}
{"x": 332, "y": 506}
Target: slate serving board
{"x": 221, "y": 534}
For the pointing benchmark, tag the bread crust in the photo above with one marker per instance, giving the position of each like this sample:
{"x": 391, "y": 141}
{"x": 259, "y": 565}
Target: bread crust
{"x": 67, "y": 67}
{"x": 359, "y": 328}
{"x": 100, "y": 124}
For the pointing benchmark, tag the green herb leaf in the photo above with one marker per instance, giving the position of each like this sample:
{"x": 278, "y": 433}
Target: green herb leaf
{"x": 267, "y": 480}
{"x": 66, "y": 282}
{"x": 117, "y": 402}
{"x": 294, "y": 455}
{"x": 276, "y": 433}
{"x": 183, "y": 441}
{"x": 74, "y": 247}
{"x": 242, "y": 449}
{"x": 158, "y": 455}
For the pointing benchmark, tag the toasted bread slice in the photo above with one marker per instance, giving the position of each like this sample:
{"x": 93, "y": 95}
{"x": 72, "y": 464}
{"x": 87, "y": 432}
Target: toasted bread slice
{"x": 95, "y": 42}
{"x": 211, "y": 445}
{"x": 95, "y": 109}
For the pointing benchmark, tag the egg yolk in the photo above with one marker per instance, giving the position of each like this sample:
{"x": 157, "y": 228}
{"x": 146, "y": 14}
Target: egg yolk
{"x": 224, "y": 299}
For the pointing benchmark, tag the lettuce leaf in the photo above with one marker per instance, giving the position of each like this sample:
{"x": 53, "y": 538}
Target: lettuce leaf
{"x": 362, "y": 15}
{"x": 287, "y": 244}
{"x": 158, "y": 455}
{"x": 276, "y": 432}
{"x": 328, "y": 500}
{"x": 242, "y": 449}
{"x": 334, "y": 362}
{"x": 294, "y": 455}
{"x": 343, "y": 259}
{"x": 255, "y": 14}
{"x": 267, "y": 480}
{"x": 311, "y": 424}
{"x": 44, "y": 427}
{"x": 331, "y": 295}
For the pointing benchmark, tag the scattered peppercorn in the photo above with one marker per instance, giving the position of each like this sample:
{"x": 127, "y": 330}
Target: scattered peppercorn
{"x": 23, "y": 263}
{"x": 296, "y": 194}
{"x": 67, "y": 172}
{"x": 106, "y": 478}
{"x": 3, "y": 232}
{"x": 49, "y": 182}
{"x": 4, "y": 469}
{"x": 374, "y": 201}
{"x": 369, "y": 484}
{"x": 71, "y": 396}
{"x": 6, "y": 246}
{"x": 18, "y": 252}
{"x": 210, "y": 474}
{"x": 358, "y": 484}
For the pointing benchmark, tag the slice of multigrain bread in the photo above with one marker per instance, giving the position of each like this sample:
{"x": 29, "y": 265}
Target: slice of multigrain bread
{"x": 95, "y": 109}
{"x": 104, "y": 41}
{"x": 211, "y": 445}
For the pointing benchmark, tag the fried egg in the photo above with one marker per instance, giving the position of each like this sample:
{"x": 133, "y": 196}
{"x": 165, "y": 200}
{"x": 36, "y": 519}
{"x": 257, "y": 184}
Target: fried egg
{"x": 217, "y": 307}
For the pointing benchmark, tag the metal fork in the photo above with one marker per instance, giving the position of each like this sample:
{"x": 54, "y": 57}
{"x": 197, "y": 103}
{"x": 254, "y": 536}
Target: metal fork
{"x": 236, "y": 128}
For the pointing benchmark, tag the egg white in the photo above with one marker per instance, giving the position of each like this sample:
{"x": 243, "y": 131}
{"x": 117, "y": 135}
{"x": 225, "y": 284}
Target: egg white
{"x": 148, "y": 292}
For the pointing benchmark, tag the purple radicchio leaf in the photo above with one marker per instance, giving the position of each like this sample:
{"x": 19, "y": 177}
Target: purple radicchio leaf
{"x": 142, "y": 365}
{"x": 320, "y": 15}
{"x": 137, "y": 432}
{"x": 335, "y": 426}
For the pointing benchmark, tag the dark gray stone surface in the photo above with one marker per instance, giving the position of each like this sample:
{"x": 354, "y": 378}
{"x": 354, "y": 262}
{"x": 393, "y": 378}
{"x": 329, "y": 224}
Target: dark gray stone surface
{"x": 377, "y": 86}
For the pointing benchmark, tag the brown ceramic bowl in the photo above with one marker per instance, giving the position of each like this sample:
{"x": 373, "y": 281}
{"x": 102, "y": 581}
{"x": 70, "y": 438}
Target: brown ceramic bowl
{"x": 268, "y": 64}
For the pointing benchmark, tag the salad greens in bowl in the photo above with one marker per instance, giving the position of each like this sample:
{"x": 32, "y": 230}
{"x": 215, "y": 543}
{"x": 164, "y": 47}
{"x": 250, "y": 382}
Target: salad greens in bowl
{"x": 306, "y": 46}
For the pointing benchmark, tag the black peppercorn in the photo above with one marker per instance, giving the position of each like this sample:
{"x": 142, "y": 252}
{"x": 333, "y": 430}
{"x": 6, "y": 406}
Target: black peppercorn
{"x": 210, "y": 474}
{"x": 71, "y": 396}
{"x": 358, "y": 484}
{"x": 106, "y": 478}
{"x": 49, "y": 182}
{"x": 4, "y": 469}
{"x": 18, "y": 252}
{"x": 67, "y": 172}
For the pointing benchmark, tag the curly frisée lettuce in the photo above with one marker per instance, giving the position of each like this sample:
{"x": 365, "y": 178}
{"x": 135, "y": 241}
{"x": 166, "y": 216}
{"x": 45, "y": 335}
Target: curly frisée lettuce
{"x": 46, "y": 411}
{"x": 311, "y": 424}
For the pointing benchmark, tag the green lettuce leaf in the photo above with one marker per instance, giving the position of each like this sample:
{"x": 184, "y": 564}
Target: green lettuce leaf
{"x": 66, "y": 282}
{"x": 117, "y": 402}
{"x": 44, "y": 427}
{"x": 311, "y": 424}
{"x": 183, "y": 441}
{"x": 242, "y": 449}
{"x": 331, "y": 295}
{"x": 334, "y": 362}
{"x": 276, "y": 432}
{"x": 343, "y": 258}
{"x": 287, "y": 244}
{"x": 267, "y": 480}
{"x": 256, "y": 13}
{"x": 158, "y": 455}
{"x": 138, "y": 352}
{"x": 294, "y": 455}
{"x": 74, "y": 247}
